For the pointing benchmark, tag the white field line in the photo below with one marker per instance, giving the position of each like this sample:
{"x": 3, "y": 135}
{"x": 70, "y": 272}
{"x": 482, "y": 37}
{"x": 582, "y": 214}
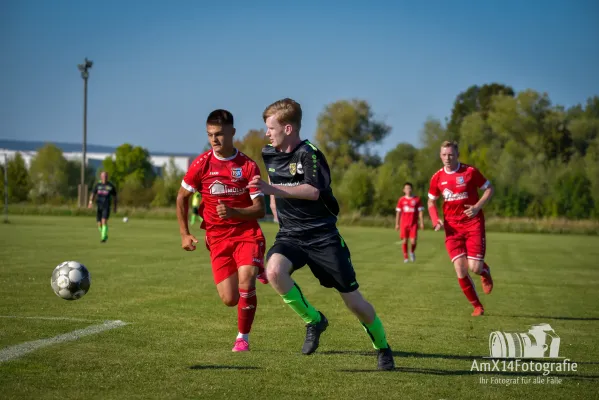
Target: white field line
{"x": 51, "y": 318}
{"x": 16, "y": 351}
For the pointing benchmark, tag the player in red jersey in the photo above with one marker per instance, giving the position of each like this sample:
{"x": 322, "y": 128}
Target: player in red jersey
{"x": 464, "y": 221}
{"x": 409, "y": 212}
{"x": 230, "y": 215}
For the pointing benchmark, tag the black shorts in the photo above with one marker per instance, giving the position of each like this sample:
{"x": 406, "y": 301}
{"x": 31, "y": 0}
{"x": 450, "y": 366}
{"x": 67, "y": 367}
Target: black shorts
{"x": 102, "y": 213}
{"x": 329, "y": 260}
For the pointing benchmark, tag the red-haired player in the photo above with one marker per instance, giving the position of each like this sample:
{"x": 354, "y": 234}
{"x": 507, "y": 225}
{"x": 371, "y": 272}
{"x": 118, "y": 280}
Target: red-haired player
{"x": 464, "y": 222}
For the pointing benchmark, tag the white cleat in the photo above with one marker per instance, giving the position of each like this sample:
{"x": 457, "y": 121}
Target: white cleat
{"x": 412, "y": 257}
{"x": 405, "y": 261}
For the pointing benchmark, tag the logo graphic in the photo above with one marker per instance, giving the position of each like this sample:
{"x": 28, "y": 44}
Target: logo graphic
{"x": 540, "y": 341}
{"x": 300, "y": 168}
{"x": 413, "y": 202}
{"x": 213, "y": 172}
{"x": 236, "y": 172}
{"x": 448, "y": 195}
{"x": 460, "y": 180}
{"x": 271, "y": 170}
{"x": 292, "y": 168}
{"x": 219, "y": 188}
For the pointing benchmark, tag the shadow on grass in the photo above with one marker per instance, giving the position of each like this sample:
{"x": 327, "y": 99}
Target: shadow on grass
{"x": 238, "y": 367}
{"x": 429, "y": 371}
{"x": 403, "y": 354}
{"x": 547, "y": 317}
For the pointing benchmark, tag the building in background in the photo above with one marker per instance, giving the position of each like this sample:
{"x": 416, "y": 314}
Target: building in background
{"x": 95, "y": 154}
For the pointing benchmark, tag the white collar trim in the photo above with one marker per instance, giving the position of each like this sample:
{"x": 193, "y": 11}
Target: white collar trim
{"x": 452, "y": 172}
{"x": 225, "y": 159}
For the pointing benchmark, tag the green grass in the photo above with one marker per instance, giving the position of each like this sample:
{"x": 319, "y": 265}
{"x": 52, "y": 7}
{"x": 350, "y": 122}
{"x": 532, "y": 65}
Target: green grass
{"x": 179, "y": 338}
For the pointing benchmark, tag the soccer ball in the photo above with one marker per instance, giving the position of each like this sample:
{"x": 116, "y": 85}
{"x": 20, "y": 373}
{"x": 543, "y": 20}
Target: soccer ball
{"x": 70, "y": 280}
{"x": 125, "y": 219}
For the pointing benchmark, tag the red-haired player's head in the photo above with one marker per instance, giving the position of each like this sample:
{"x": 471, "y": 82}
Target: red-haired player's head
{"x": 449, "y": 155}
{"x": 220, "y": 129}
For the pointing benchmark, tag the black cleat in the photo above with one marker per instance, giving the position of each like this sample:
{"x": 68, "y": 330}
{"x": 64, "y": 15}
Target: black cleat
{"x": 385, "y": 359}
{"x": 313, "y": 332}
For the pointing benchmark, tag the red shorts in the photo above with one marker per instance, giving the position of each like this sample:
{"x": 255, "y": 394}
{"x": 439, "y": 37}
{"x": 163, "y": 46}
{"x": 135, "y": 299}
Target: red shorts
{"x": 408, "y": 231}
{"x": 465, "y": 240}
{"x": 228, "y": 254}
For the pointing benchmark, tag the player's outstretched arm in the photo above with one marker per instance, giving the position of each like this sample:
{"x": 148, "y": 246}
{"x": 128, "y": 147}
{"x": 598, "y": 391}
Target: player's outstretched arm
{"x": 432, "y": 211}
{"x": 303, "y": 191}
{"x": 256, "y": 211}
{"x": 188, "y": 241}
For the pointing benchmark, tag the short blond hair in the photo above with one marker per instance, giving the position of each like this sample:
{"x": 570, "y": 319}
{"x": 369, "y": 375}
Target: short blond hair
{"x": 450, "y": 143}
{"x": 285, "y": 111}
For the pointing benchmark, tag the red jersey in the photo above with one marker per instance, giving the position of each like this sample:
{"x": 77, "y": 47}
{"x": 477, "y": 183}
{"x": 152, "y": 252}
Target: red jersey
{"x": 459, "y": 189}
{"x": 409, "y": 207}
{"x": 225, "y": 180}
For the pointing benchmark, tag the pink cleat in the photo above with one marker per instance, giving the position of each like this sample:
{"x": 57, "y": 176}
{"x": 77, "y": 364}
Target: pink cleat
{"x": 241, "y": 345}
{"x": 262, "y": 278}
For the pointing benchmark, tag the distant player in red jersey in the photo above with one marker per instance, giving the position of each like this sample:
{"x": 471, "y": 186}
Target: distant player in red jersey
{"x": 409, "y": 211}
{"x": 230, "y": 213}
{"x": 464, "y": 221}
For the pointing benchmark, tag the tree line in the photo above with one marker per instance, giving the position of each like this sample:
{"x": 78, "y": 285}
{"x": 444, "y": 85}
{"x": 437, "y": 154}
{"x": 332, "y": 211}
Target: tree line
{"x": 542, "y": 158}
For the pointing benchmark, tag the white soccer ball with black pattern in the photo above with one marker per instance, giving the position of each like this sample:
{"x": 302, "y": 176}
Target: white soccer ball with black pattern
{"x": 70, "y": 280}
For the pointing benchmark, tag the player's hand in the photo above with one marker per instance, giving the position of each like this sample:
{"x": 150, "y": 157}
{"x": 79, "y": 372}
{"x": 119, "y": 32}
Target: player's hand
{"x": 422, "y": 226}
{"x": 223, "y": 210}
{"x": 89, "y": 205}
{"x": 263, "y": 187}
{"x": 188, "y": 242}
{"x": 471, "y": 211}
{"x": 439, "y": 225}
{"x": 396, "y": 227}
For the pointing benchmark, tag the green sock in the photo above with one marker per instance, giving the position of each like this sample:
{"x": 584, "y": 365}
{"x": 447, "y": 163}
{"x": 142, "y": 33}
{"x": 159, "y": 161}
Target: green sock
{"x": 100, "y": 228}
{"x": 104, "y": 231}
{"x": 193, "y": 219}
{"x": 377, "y": 333}
{"x": 298, "y": 303}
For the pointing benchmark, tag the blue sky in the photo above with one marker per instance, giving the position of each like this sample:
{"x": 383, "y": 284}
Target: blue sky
{"x": 160, "y": 67}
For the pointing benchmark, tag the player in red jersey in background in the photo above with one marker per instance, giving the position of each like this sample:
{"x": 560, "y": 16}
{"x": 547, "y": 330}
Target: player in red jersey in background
{"x": 464, "y": 221}
{"x": 230, "y": 215}
{"x": 409, "y": 212}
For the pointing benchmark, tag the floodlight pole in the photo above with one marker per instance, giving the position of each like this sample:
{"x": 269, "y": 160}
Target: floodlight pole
{"x": 84, "y": 68}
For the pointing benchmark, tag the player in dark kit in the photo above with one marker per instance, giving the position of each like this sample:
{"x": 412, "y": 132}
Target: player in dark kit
{"x": 307, "y": 212}
{"x": 103, "y": 192}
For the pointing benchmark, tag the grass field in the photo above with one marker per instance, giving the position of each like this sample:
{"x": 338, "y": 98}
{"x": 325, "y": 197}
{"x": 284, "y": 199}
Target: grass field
{"x": 178, "y": 338}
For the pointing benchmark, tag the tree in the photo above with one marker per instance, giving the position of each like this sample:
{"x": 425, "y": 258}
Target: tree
{"x": 345, "y": 132}
{"x": 130, "y": 163}
{"x": 165, "y": 188}
{"x": 356, "y": 189}
{"x": 19, "y": 183}
{"x": 251, "y": 145}
{"x": 48, "y": 172}
{"x": 73, "y": 168}
{"x": 474, "y": 99}
{"x": 388, "y": 186}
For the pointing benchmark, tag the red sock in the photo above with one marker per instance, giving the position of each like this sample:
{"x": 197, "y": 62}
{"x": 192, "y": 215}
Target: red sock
{"x": 404, "y": 247}
{"x": 413, "y": 247}
{"x": 246, "y": 309}
{"x": 469, "y": 290}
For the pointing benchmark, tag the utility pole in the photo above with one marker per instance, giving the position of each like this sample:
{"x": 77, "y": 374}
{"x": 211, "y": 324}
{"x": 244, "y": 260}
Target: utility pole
{"x": 5, "y": 188}
{"x": 84, "y": 68}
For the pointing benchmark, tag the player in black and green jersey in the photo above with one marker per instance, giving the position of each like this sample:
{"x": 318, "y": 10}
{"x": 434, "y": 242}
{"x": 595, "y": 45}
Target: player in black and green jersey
{"x": 307, "y": 210}
{"x": 104, "y": 191}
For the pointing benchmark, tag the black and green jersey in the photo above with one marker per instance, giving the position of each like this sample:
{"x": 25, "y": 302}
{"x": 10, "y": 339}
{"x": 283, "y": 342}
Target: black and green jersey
{"x": 103, "y": 193}
{"x": 304, "y": 165}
